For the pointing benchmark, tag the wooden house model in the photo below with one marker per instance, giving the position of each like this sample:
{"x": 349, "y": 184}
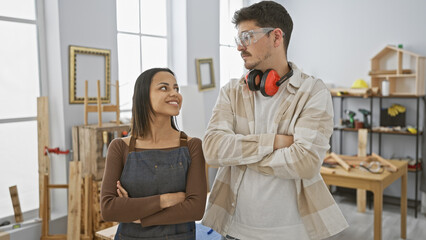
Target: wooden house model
{"x": 404, "y": 70}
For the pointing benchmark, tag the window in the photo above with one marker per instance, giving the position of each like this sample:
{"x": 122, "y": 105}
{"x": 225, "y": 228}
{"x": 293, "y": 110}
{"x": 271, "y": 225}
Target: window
{"x": 19, "y": 89}
{"x": 142, "y": 36}
{"x": 231, "y": 64}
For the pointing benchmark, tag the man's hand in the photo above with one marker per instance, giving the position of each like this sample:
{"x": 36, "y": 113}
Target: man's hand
{"x": 282, "y": 141}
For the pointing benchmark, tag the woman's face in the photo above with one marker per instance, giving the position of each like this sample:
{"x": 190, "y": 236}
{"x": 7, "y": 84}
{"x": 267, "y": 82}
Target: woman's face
{"x": 164, "y": 94}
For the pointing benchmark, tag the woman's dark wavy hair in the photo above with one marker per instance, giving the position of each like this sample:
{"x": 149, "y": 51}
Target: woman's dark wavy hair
{"x": 267, "y": 14}
{"x": 142, "y": 111}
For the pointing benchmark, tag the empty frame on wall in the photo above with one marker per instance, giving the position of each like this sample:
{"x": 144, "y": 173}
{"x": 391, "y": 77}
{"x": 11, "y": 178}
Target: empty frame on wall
{"x": 89, "y": 64}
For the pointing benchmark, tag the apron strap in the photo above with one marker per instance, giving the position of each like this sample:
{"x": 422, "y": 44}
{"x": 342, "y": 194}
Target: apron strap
{"x": 183, "y": 139}
{"x": 132, "y": 144}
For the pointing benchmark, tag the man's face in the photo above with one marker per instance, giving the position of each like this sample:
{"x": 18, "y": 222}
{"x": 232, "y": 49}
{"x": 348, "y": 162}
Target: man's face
{"x": 259, "y": 51}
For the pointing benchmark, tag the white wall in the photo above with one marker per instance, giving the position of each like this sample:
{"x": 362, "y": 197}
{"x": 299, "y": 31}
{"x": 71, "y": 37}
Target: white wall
{"x": 335, "y": 40}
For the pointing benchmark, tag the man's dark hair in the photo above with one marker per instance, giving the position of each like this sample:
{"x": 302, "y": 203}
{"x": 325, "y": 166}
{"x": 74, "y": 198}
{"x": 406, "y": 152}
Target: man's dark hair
{"x": 142, "y": 111}
{"x": 267, "y": 14}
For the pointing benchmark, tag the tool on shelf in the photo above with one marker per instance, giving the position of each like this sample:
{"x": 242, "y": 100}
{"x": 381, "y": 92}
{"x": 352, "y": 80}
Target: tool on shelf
{"x": 351, "y": 115}
{"x": 365, "y": 113}
{"x": 105, "y": 147}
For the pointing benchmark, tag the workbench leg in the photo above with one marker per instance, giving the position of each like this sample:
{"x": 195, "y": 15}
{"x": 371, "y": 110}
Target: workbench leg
{"x": 361, "y": 196}
{"x": 378, "y": 207}
{"x": 404, "y": 206}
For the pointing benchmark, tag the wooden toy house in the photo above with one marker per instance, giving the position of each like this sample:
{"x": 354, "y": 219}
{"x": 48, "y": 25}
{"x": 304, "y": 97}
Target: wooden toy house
{"x": 404, "y": 70}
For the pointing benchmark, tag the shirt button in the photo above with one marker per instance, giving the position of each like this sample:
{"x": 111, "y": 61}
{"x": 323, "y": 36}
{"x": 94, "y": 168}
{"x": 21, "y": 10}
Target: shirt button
{"x": 233, "y": 204}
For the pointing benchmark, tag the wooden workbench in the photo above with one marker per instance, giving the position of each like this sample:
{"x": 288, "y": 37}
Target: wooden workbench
{"x": 360, "y": 179}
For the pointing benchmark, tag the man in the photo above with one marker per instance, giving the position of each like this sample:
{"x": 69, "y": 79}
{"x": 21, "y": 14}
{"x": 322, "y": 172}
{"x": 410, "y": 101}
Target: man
{"x": 270, "y": 143}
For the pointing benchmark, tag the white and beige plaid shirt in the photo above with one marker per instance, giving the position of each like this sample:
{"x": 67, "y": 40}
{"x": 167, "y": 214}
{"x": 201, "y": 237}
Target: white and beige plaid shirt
{"x": 230, "y": 143}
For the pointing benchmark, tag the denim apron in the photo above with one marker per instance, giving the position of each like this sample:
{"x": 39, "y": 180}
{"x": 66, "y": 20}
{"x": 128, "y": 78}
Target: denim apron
{"x": 154, "y": 172}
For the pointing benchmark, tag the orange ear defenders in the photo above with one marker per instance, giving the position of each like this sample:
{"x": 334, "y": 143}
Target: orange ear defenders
{"x": 269, "y": 82}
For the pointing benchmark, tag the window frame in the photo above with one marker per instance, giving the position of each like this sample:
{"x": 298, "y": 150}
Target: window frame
{"x": 38, "y": 22}
{"x": 140, "y": 35}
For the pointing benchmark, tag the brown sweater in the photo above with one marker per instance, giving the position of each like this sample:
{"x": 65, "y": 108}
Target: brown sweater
{"x": 147, "y": 209}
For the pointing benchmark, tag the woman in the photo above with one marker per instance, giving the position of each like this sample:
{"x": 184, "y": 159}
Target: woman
{"x": 154, "y": 182}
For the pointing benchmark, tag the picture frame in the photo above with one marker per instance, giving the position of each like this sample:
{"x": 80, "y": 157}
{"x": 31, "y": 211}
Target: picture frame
{"x": 91, "y": 64}
{"x": 205, "y": 73}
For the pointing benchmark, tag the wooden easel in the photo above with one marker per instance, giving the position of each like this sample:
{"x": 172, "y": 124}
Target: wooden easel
{"x": 46, "y": 210}
{"x": 99, "y": 108}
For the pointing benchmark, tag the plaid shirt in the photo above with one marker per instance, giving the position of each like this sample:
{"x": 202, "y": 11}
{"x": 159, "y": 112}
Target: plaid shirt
{"x": 230, "y": 142}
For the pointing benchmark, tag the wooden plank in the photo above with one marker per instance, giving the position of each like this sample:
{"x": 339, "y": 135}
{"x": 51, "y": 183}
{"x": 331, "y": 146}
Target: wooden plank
{"x": 55, "y": 237}
{"x": 86, "y": 102}
{"x": 45, "y": 213}
{"x": 392, "y": 168}
{"x": 327, "y": 170}
{"x": 117, "y": 103}
{"x": 108, "y": 233}
{"x": 340, "y": 161}
{"x": 92, "y": 108}
{"x": 74, "y": 203}
{"x": 361, "y": 194}
{"x": 362, "y": 142}
{"x": 75, "y": 145}
{"x": 43, "y": 141}
{"x": 4, "y": 236}
{"x": 16, "y": 204}
{"x": 99, "y": 105}
{"x": 399, "y": 62}
{"x": 386, "y": 72}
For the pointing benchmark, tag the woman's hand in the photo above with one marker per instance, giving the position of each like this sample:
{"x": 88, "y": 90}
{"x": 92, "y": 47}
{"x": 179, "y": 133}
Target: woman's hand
{"x": 171, "y": 199}
{"x": 123, "y": 193}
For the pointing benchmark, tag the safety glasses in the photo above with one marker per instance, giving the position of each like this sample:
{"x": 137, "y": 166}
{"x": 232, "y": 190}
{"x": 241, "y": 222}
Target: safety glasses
{"x": 252, "y": 36}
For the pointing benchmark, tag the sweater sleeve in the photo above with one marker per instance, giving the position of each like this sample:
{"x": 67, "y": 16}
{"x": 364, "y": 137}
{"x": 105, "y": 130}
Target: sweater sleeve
{"x": 304, "y": 157}
{"x": 192, "y": 208}
{"x": 228, "y": 144}
{"x": 114, "y": 208}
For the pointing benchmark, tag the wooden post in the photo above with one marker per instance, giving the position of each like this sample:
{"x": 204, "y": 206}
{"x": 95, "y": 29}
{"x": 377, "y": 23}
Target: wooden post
{"x": 361, "y": 194}
{"x": 74, "y": 202}
{"x": 16, "y": 204}
{"x": 99, "y": 105}
{"x": 45, "y": 213}
{"x": 43, "y": 141}
{"x": 117, "y": 103}
{"x": 86, "y": 101}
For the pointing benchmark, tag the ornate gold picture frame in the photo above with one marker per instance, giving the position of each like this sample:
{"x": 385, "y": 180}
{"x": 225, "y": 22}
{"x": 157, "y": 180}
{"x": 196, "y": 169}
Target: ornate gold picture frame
{"x": 89, "y": 64}
{"x": 205, "y": 74}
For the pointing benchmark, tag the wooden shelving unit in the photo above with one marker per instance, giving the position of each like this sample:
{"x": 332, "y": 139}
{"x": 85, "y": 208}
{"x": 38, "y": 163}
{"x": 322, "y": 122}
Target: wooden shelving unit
{"x": 371, "y": 132}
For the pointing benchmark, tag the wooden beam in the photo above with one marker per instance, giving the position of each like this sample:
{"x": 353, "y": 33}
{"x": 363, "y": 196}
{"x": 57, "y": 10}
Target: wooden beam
{"x": 391, "y": 167}
{"x": 74, "y": 202}
{"x": 43, "y": 141}
{"x": 327, "y": 170}
{"x": 16, "y": 204}
{"x": 99, "y": 104}
{"x": 340, "y": 161}
{"x": 361, "y": 194}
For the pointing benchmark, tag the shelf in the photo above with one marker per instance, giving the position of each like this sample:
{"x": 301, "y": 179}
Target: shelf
{"x": 393, "y": 76}
{"x": 391, "y": 96}
{"x": 378, "y": 131}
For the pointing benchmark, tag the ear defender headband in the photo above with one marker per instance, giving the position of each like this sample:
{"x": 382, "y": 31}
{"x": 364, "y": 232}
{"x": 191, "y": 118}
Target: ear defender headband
{"x": 269, "y": 82}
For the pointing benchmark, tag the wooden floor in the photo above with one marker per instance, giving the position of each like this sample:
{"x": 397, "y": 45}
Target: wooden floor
{"x": 361, "y": 224}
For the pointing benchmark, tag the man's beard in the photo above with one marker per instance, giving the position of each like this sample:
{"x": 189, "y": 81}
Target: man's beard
{"x": 254, "y": 65}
